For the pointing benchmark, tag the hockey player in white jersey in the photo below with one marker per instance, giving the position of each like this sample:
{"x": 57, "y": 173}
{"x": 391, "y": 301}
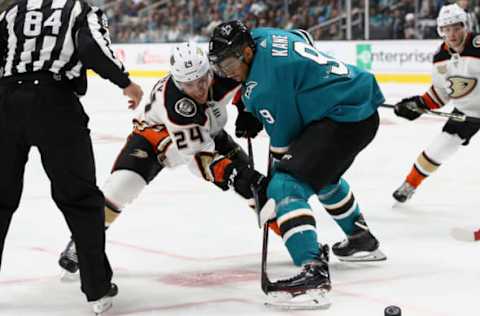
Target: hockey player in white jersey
{"x": 456, "y": 69}
{"x": 182, "y": 124}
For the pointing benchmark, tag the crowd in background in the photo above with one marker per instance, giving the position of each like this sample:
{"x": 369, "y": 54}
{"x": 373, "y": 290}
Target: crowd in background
{"x": 145, "y": 21}
{"x": 170, "y": 21}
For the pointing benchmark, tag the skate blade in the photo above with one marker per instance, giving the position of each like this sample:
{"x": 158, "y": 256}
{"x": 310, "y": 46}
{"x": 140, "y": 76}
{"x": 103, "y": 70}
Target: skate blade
{"x": 102, "y": 312}
{"x": 365, "y": 256}
{"x": 102, "y": 308}
{"x": 310, "y": 300}
{"x": 69, "y": 277}
{"x": 465, "y": 234}
{"x": 398, "y": 205}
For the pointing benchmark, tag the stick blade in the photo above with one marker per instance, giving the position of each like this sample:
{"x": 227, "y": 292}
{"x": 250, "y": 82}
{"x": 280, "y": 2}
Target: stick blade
{"x": 465, "y": 234}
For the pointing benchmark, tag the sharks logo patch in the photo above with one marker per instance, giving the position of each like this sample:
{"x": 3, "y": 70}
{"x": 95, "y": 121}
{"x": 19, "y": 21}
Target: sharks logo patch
{"x": 249, "y": 86}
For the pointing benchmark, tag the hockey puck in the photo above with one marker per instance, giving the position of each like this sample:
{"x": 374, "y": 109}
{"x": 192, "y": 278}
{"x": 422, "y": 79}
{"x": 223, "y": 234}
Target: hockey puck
{"x": 393, "y": 311}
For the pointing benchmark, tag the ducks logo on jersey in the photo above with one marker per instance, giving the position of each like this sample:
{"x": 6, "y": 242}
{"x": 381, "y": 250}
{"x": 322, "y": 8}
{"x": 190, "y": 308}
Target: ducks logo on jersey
{"x": 460, "y": 86}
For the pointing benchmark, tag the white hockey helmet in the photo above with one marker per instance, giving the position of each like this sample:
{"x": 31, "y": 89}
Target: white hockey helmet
{"x": 188, "y": 62}
{"x": 450, "y": 14}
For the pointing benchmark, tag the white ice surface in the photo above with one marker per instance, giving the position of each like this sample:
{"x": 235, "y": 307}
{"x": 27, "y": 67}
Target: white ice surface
{"x": 185, "y": 248}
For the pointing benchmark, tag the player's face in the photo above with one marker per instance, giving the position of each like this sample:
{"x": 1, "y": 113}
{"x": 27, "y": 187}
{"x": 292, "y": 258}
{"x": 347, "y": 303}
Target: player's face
{"x": 234, "y": 68}
{"x": 198, "y": 89}
{"x": 454, "y": 35}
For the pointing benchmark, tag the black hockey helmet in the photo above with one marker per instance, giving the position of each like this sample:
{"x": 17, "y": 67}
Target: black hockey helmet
{"x": 229, "y": 39}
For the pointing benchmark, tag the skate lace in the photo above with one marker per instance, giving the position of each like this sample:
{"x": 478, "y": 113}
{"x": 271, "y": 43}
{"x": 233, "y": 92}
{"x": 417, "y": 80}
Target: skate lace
{"x": 298, "y": 276}
{"x": 307, "y": 271}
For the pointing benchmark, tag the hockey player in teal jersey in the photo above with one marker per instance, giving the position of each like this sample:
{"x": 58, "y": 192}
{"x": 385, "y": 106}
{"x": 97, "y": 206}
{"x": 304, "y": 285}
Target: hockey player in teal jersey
{"x": 319, "y": 113}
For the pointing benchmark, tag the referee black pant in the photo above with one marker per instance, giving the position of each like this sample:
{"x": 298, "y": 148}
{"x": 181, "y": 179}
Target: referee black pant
{"x": 36, "y": 110}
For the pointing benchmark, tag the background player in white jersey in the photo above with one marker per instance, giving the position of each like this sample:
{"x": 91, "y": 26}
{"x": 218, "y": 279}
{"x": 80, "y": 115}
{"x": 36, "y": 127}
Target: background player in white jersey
{"x": 182, "y": 124}
{"x": 456, "y": 68}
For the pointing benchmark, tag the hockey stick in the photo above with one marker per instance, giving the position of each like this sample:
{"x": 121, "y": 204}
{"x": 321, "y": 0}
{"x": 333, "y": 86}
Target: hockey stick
{"x": 454, "y": 116}
{"x": 465, "y": 234}
{"x": 274, "y": 289}
{"x": 254, "y": 190}
{"x": 266, "y": 284}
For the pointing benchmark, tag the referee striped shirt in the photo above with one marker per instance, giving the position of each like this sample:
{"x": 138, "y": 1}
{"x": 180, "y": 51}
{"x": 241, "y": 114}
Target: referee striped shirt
{"x": 64, "y": 37}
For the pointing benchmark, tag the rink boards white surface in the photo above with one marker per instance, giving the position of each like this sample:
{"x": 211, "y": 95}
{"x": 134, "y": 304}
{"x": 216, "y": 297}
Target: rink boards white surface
{"x": 185, "y": 248}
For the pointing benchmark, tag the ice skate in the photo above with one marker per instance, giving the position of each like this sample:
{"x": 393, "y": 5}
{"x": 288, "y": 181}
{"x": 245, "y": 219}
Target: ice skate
{"x": 105, "y": 303}
{"x": 404, "y": 192}
{"x": 361, "y": 246}
{"x": 307, "y": 290}
{"x": 68, "y": 261}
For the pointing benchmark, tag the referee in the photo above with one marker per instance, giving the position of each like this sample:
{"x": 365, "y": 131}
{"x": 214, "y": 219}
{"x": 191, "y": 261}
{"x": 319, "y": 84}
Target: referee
{"x": 46, "y": 46}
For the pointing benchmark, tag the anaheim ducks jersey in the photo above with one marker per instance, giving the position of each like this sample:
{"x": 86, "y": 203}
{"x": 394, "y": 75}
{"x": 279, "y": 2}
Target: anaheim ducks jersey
{"x": 455, "y": 78}
{"x": 178, "y": 127}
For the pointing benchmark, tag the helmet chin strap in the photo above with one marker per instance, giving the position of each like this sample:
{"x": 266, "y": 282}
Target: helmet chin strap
{"x": 248, "y": 63}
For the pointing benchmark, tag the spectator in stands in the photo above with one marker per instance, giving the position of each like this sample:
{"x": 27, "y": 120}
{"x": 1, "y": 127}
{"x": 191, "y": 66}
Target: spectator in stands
{"x": 294, "y": 22}
{"x": 426, "y": 22}
{"x": 173, "y": 33}
{"x": 410, "y": 30}
{"x": 335, "y": 31}
{"x": 472, "y": 22}
{"x": 214, "y": 22}
{"x": 172, "y": 20}
{"x": 229, "y": 12}
{"x": 476, "y": 9}
{"x": 428, "y": 9}
{"x": 407, "y": 6}
{"x": 280, "y": 19}
{"x": 398, "y": 26}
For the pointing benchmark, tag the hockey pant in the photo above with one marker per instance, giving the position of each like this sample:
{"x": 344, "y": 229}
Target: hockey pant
{"x": 138, "y": 164}
{"x": 445, "y": 145}
{"x": 315, "y": 165}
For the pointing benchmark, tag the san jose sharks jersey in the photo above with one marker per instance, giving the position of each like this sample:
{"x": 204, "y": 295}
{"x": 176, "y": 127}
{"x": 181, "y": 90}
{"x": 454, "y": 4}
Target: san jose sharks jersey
{"x": 455, "y": 78}
{"x": 291, "y": 84}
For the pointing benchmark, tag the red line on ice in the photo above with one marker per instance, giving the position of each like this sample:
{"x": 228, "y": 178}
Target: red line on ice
{"x": 177, "y": 256}
{"x": 183, "y": 305}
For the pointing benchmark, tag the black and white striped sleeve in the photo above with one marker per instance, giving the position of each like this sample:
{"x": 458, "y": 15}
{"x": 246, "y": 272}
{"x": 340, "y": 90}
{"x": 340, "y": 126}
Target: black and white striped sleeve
{"x": 3, "y": 40}
{"x": 95, "y": 51}
{"x": 2, "y": 22}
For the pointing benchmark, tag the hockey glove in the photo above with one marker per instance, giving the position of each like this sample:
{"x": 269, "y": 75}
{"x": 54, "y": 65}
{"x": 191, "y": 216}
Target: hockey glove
{"x": 249, "y": 181}
{"x": 243, "y": 179}
{"x": 410, "y": 108}
{"x": 247, "y": 125}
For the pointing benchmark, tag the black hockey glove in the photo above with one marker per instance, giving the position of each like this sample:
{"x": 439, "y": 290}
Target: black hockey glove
{"x": 247, "y": 125}
{"x": 410, "y": 108}
{"x": 240, "y": 177}
{"x": 249, "y": 181}
{"x": 235, "y": 174}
